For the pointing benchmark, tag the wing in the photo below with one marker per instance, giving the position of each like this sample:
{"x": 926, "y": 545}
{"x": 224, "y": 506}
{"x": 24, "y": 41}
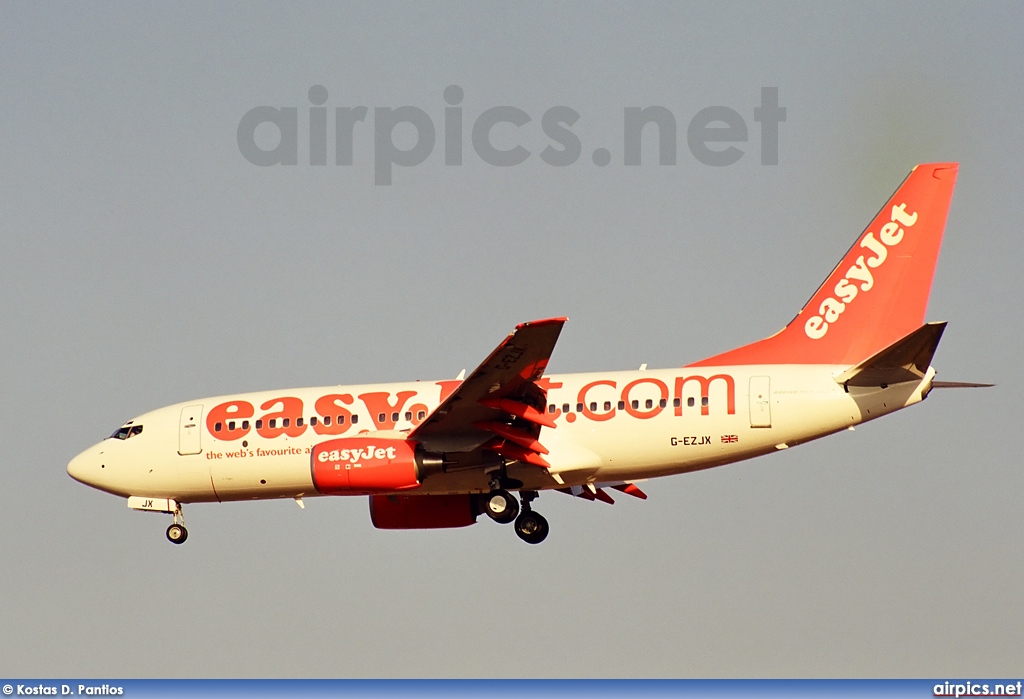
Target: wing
{"x": 499, "y": 407}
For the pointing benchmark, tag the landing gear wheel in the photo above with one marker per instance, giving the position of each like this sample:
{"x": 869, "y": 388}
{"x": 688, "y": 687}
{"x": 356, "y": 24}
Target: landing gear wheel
{"x": 501, "y": 506}
{"x": 532, "y": 528}
{"x": 176, "y": 534}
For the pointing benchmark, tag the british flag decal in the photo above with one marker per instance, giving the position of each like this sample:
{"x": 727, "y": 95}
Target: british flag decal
{"x": 730, "y": 438}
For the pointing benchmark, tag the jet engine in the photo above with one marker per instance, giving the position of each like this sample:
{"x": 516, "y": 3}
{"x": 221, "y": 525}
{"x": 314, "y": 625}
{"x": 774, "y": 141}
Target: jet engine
{"x": 364, "y": 465}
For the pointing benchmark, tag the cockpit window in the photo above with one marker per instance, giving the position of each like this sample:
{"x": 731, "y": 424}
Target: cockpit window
{"x": 127, "y": 431}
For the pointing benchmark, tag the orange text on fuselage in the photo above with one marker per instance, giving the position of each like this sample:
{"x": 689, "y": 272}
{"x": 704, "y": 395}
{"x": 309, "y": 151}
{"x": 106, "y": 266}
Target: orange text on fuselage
{"x": 285, "y": 415}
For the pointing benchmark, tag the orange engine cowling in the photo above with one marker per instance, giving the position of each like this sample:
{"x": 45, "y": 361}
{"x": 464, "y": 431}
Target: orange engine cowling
{"x": 364, "y": 465}
{"x": 423, "y": 511}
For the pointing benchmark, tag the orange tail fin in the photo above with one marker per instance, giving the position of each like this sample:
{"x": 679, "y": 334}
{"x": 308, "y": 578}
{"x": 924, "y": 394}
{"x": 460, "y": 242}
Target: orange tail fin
{"x": 878, "y": 293}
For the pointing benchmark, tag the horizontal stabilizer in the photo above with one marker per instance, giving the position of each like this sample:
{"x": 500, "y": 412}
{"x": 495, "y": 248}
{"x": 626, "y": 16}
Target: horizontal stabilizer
{"x": 904, "y": 360}
{"x": 960, "y": 384}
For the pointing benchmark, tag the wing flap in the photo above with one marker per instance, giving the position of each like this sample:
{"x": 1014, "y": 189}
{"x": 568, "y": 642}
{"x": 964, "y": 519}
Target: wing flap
{"x": 595, "y": 491}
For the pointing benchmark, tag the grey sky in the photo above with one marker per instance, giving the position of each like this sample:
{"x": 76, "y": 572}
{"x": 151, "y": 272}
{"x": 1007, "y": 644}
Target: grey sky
{"x": 144, "y": 261}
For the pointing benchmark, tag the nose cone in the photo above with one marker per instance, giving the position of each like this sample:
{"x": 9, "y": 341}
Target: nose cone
{"x": 86, "y": 467}
{"x": 77, "y": 468}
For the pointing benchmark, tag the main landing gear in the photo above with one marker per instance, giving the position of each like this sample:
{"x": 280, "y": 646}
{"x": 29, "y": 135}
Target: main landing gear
{"x": 176, "y": 533}
{"x": 501, "y": 506}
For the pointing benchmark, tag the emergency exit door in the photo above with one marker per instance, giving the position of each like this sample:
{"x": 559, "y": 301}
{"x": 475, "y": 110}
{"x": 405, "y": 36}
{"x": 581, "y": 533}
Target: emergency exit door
{"x": 190, "y": 430}
{"x": 760, "y": 402}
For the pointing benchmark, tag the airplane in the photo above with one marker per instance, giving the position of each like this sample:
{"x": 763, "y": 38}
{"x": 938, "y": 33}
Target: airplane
{"x": 438, "y": 454}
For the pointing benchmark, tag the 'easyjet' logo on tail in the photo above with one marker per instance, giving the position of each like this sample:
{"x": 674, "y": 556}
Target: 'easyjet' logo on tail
{"x": 889, "y": 236}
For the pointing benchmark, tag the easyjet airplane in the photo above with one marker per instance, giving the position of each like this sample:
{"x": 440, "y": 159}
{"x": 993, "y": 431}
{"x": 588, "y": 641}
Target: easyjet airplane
{"x": 435, "y": 454}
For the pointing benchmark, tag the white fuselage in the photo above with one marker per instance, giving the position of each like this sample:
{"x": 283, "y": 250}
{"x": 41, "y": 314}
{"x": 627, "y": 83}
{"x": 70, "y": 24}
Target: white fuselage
{"x": 610, "y": 427}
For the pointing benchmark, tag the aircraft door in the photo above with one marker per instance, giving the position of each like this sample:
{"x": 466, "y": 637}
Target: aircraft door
{"x": 760, "y": 401}
{"x": 190, "y": 430}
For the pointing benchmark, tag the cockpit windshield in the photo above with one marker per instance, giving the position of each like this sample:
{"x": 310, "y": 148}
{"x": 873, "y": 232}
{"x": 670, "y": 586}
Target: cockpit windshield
{"x": 127, "y": 431}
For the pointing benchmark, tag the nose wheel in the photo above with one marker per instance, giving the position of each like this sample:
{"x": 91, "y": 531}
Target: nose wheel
{"x": 176, "y": 533}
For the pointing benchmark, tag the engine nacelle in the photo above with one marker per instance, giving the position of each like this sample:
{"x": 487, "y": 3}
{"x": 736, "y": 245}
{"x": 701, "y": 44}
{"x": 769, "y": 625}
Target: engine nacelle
{"x": 363, "y": 465}
{"x": 423, "y": 511}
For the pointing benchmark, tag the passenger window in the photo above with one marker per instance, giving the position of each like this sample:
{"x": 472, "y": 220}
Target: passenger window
{"x": 216, "y": 428}
{"x": 231, "y": 426}
{"x": 607, "y": 405}
{"x": 579, "y": 407}
{"x": 662, "y": 403}
{"x": 635, "y": 404}
{"x": 394, "y": 417}
{"x": 327, "y": 420}
{"x": 286, "y": 421}
{"x": 408, "y": 415}
{"x": 675, "y": 403}
{"x": 690, "y": 402}
{"x": 245, "y": 424}
{"x": 298, "y": 422}
{"x": 259, "y": 424}
{"x": 312, "y": 421}
{"x": 273, "y": 422}
{"x": 552, "y": 408}
{"x": 565, "y": 407}
{"x": 704, "y": 401}
{"x": 622, "y": 405}
{"x": 421, "y": 414}
{"x": 649, "y": 404}
{"x": 355, "y": 419}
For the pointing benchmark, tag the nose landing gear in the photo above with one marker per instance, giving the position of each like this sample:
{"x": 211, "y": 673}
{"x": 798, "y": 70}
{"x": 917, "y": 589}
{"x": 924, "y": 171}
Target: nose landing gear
{"x": 176, "y": 533}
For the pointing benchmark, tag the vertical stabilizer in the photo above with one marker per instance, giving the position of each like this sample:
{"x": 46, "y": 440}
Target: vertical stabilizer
{"x": 878, "y": 293}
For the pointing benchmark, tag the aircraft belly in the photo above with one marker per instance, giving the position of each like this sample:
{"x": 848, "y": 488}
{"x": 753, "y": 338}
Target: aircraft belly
{"x": 261, "y": 474}
{"x": 146, "y": 470}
